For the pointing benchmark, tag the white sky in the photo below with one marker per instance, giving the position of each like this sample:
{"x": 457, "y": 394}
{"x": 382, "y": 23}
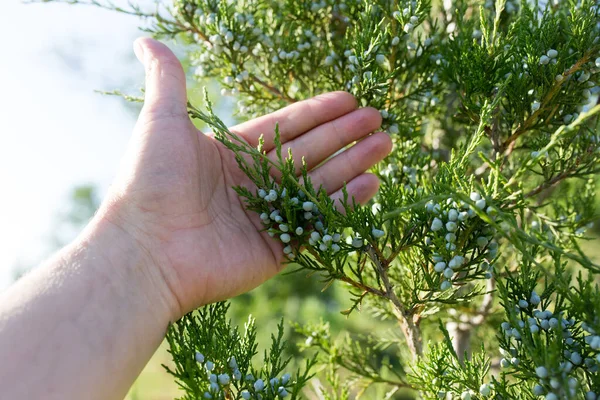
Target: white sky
{"x": 55, "y": 132}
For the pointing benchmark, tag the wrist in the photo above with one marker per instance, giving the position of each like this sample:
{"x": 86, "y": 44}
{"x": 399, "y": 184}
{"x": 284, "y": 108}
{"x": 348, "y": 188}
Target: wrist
{"x": 101, "y": 298}
{"x": 132, "y": 262}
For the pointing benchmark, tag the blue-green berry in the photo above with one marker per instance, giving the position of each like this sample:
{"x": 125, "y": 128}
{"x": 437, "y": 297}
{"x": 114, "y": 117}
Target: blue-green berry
{"x": 377, "y": 233}
{"x": 439, "y": 267}
{"x": 437, "y": 224}
{"x": 308, "y": 205}
{"x": 259, "y": 385}
{"x": 224, "y": 379}
{"x": 485, "y": 390}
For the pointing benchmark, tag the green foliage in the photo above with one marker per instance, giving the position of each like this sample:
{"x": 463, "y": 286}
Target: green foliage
{"x": 214, "y": 361}
{"x": 369, "y": 359}
{"x": 484, "y": 200}
{"x": 442, "y": 372}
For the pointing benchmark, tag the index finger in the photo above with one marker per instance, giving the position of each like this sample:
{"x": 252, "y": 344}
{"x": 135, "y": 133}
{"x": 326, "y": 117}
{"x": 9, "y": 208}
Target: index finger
{"x": 296, "y": 119}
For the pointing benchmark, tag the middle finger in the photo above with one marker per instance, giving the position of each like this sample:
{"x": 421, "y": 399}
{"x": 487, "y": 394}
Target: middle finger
{"x": 318, "y": 144}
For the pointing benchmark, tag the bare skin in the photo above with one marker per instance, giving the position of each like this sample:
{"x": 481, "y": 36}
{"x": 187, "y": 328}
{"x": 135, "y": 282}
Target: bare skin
{"x": 170, "y": 236}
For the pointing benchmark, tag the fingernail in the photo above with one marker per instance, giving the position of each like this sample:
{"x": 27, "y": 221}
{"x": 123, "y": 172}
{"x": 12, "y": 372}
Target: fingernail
{"x": 138, "y": 49}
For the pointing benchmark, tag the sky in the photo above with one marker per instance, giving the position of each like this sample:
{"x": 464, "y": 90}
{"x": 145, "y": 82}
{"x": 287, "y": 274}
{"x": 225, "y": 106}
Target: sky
{"x": 55, "y": 131}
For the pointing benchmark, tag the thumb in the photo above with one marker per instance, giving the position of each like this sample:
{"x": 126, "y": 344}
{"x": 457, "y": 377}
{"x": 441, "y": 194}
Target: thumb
{"x": 165, "y": 79}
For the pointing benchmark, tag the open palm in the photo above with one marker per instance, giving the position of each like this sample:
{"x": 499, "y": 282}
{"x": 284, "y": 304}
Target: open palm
{"x": 175, "y": 195}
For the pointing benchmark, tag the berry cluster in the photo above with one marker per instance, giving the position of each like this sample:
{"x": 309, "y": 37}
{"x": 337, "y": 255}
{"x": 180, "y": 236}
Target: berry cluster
{"x": 552, "y": 381}
{"x": 408, "y": 175}
{"x": 549, "y": 57}
{"x": 296, "y": 221}
{"x": 456, "y": 224}
{"x": 555, "y": 383}
{"x": 222, "y": 38}
{"x": 220, "y": 385}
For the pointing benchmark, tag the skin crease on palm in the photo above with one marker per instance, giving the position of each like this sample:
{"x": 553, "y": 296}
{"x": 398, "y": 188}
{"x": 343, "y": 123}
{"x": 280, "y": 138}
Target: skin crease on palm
{"x": 175, "y": 192}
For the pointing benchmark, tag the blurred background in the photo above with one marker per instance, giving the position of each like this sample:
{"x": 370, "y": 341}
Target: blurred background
{"x": 57, "y": 133}
{"x": 61, "y": 145}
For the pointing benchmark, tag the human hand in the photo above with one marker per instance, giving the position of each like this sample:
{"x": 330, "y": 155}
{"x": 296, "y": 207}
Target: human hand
{"x": 174, "y": 196}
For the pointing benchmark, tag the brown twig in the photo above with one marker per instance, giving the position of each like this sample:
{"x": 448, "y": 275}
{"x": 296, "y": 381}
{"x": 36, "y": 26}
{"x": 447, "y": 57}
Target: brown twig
{"x": 347, "y": 280}
{"x": 507, "y": 144}
{"x": 549, "y": 183}
{"x": 362, "y": 286}
{"x": 273, "y": 90}
{"x": 410, "y": 329}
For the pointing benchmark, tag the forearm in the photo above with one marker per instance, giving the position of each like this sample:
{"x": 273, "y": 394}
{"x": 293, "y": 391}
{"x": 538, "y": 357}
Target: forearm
{"x": 83, "y": 325}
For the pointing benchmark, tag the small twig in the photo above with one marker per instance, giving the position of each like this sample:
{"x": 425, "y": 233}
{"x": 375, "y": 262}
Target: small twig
{"x": 375, "y": 379}
{"x": 378, "y": 379}
{"x": 401, "y": 248}
{"x": 347, "y": 280}
{"x": 409, "y": 328}
{"x": 549, "y": 183}
{"x": 506, "y": 146}
{"x": 273, "y": 90}
{"x": 362, "y": 286}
